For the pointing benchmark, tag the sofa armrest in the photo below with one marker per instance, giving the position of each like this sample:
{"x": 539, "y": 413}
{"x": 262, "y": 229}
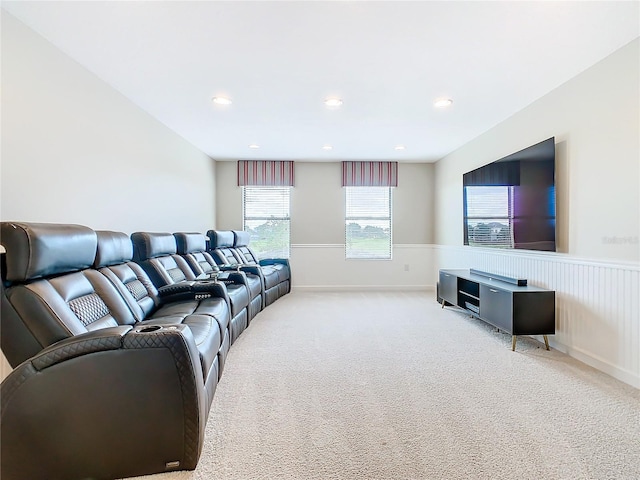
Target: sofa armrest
{"x": 91, "y": 342}
{"x": 252, "y": 268}
{"x": 209, "y": 276}
{"x": 192, "y": 290}
{"x": 236, "y": 267}
{"x": 229, "y": 268}
{"x": 233, "y": 277}
{"x": 84, "y": 407}
{"x": 275, "y": 261}
{"x": 176, "y": 291}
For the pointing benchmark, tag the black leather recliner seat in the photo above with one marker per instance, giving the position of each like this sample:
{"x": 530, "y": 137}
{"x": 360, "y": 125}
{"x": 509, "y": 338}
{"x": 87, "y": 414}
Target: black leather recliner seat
{"x": 241, "y": 247}
{"x": 222, "y": 244}
{"x": 221, "y": 249}
{"x": 193, "y": 248}
{"x": 111, "y": 384}
{"x": 157, "y": 254}
{"x": 114, "y": 261}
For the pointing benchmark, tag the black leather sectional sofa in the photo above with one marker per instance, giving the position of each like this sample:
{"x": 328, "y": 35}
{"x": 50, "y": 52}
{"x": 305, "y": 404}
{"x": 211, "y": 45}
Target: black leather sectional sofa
{"x": 118, "y": 344}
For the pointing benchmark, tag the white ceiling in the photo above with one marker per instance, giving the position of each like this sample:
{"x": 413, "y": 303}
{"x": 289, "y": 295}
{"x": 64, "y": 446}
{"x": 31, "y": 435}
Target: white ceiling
{"x": 278, "y": 61}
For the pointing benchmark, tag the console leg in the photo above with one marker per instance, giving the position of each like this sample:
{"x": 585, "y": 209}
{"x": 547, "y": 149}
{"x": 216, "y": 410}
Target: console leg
{"x": 443, "y": 302}
{"x": 513, "y": 343}
{"x": 546, "y": 341}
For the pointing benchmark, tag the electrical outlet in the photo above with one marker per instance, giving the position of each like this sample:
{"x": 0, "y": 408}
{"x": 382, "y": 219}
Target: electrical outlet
{"x": 406, "y": 267}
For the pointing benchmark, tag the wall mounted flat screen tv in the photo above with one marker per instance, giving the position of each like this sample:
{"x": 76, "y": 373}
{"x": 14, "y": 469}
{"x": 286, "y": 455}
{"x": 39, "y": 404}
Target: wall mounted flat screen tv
{"x": 511, "y": 203}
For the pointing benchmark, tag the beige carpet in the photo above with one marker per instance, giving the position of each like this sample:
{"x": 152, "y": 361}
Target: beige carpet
{"x": 389, "y": 386}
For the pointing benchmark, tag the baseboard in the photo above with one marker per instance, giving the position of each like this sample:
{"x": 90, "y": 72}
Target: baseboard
{"x": 363, "y": 288}
{"x": 600, "y": 364}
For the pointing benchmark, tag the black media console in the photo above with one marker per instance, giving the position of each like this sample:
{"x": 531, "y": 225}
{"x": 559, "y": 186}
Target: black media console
{"x": 508, "y": 304}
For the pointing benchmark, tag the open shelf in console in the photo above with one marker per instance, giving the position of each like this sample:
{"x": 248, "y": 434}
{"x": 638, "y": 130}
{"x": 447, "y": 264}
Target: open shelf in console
{"x": 469, "y": 294}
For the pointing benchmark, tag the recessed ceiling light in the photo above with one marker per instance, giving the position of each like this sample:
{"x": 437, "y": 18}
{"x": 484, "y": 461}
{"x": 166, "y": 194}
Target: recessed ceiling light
{"x": 327, "y": 147}
{"x": 333, "y": 102}
{"x": 399, "y": 147}
{"x": 221, "y": 100}
{"x": 442, "y": 102}
{"x": 254, "y": 146}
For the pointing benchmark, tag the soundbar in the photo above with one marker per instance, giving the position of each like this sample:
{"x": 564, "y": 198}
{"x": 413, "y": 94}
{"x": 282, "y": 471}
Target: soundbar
{"x": 521, "y": 282}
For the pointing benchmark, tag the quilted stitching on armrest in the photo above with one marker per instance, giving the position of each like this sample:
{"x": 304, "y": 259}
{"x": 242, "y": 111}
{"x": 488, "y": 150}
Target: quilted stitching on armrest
{"x": 98, "y": 341}
{"x": 176, "y": 342}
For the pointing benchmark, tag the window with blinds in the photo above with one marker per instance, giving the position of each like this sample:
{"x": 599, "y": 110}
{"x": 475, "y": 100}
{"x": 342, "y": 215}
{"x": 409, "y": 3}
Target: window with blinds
{"x": 267, "y": 219}
{"x": 368, "y": 222}
{"x": 488, "y": 218}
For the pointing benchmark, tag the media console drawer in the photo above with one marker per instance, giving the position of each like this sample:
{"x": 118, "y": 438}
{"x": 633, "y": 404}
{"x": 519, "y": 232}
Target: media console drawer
{"x": 511, "y": 306}
{"x": 448, "y": 287}
{"x": 496, "y": 307}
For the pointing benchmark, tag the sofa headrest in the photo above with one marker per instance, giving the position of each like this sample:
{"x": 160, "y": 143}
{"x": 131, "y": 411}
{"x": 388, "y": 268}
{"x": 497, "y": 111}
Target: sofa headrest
{"x": 220, "y": 238}
{"x": 113, "y": 248}
{"x": 242, "y": 238}
{"x": 150, "y": 245}
{"x": 190, "y": 242}
{"x": 37, "y": 250}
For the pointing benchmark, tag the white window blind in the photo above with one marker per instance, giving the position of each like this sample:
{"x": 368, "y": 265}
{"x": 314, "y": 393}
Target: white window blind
{"x": 489, "y": 215}
{"x": 368, "y": 222}
{"x": 267, "y": 219}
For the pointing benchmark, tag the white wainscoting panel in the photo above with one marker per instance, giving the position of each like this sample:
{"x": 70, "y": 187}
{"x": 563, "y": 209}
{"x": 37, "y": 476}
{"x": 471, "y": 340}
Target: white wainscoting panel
{"x": 597, "y": 303}
{"x": 323, "y": 267}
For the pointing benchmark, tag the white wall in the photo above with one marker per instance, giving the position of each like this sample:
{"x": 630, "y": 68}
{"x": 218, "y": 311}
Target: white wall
{"x": 228, "y": 197}
{"x": 595, "y": 118}
{"x": 74, "y": 150}
{"x": 317, "y": 227}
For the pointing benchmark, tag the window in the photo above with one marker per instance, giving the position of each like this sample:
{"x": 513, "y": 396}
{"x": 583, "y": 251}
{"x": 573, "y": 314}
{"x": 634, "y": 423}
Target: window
{"x": 368, "y": 222}
{"x": 267, "y": 220}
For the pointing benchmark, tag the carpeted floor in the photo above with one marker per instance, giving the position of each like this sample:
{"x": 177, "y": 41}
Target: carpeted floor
{"x": 389, "y": 386}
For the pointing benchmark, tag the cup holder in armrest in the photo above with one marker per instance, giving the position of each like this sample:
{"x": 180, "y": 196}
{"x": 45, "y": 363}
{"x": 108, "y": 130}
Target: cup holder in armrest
{"x": 203, "y": 277}
{"x": 206, "y": 287}
{"x": 149, "y": 329}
